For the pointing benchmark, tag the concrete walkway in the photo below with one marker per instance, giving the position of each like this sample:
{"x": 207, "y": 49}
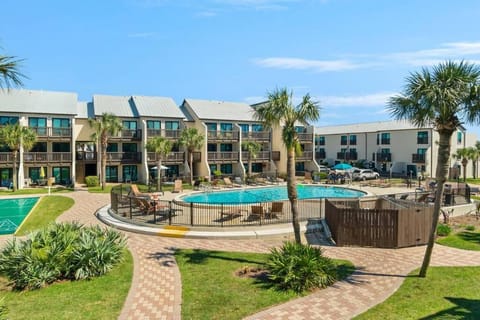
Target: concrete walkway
{"x": 156, "y": 287}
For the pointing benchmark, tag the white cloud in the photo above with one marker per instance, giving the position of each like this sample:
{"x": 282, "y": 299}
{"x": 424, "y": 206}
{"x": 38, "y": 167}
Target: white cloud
{"x": 305, "y": 64}
{"x": 368, "y": 100}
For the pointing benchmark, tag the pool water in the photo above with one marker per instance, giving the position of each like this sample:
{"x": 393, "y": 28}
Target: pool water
{"x": 13, "y": 212}
{"x": 277, "y": 193}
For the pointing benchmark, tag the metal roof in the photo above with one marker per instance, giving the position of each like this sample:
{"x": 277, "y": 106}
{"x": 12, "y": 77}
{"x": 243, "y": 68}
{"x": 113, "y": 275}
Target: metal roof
{"x": 36, "y": 101}
{"x": 221, "y": 110}
{"x": 380, "y": 126}
{"x": 157, "y": 107}
{"x": 121, "y": 106}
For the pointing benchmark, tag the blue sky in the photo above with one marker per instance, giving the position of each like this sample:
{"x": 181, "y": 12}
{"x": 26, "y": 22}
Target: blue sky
{"x": 350, "y": 55}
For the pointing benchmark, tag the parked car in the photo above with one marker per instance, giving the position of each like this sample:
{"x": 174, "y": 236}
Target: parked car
{"x": 364, "y": 174}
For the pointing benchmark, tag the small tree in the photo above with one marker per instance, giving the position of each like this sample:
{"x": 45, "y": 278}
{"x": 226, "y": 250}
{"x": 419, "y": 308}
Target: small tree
{"x": 192, "y": 140}
{"x": 105, "y": 126}
{"x": 162, "y": 147}
{"x": 473, "y": 154}
{"x": 462, "y": 154}
{"x": 15, "y": 136}
{"x": 253, "y": 148}
{"x": 9, "y": 73}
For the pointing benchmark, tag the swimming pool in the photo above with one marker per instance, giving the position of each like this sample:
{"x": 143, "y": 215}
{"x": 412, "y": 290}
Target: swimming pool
{"x": 253, "y": 195}
{"x": 13, "y": 211}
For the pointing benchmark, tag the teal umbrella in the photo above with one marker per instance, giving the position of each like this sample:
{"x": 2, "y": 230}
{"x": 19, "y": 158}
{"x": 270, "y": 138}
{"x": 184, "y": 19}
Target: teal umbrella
{"x": 342, "y": 166}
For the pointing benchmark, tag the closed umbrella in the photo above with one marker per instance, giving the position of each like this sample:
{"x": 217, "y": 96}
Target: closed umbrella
{"x": 42, "y": 173}
{"x": 342, "y": 166}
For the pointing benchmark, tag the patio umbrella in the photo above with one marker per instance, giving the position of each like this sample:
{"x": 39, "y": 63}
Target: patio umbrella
{"x": 342, "y": 166}
{"x": 42, "y": 173}
{"x": 163, "y": 168}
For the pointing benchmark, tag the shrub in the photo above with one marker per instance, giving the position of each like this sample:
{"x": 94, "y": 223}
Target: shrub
{"x": 58, "y": 252}
{"x": 443, "y": 230}
{"x": 92, "y": 181}
{"x": 470, "y": 228}
{"x": 300, "y": 267}
{"x": 3, "y": 309}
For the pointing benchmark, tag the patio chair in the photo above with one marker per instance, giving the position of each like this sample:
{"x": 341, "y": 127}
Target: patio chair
{"x": 229, "y": 184}
{"x": 146, "y": 206}
{"x": 308, "y": 177}
{"x": 257, "y": 211}
{"x": 178, "y": 186}
{"x": 135, "y": 192}
{"x": 276, "y": 210}
{"x": 231, "y": 212}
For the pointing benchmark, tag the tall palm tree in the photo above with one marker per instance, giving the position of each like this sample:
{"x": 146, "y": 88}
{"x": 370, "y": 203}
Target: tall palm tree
{"x": 473, "y": 155}
{"x": 444, "y": 96}
{"x": 462, "y": 155}
{"x": 9, "y": 73}
{"x": 105, "y": 126}
{"x": 279, "y": 112}
{"x": 192, "y": 140}
{"x": 477, "y": 150}
{"x": 162, "y": 147}
{"x": 15, "y": 137}
{"x": 253, "y": 148}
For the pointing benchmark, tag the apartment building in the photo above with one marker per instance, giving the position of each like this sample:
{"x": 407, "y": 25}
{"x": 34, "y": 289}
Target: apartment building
{"x": 398, "y": 147}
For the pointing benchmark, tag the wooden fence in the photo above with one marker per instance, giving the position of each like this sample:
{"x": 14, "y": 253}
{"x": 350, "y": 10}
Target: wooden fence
{"x": 389, "y": 224}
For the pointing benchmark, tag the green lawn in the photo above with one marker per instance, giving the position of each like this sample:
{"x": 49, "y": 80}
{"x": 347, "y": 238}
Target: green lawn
{"x": 45, "y": 212}
{"x": 34, "y": 191}
{"x": 467, "y": 240}
{"x": 211, "y": 290}
{"x": 99, "y": 298}
{"x": 446, "y": 293}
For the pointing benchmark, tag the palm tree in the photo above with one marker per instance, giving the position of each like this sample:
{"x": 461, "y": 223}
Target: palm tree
{"x": 462, "y": 154}
{"x": 442, "y": 97}
{"x": 162, "y": 147}
{"x": 472, "y": 155}
{"x": 253, "y": 148}
{"x": 9, "y": 73}
{"x": 279, "y": 112}
{"x": 105, "y": 126}
{"x": 15, "y": 137}
{"x": 477, "y": 151}
{"x": 192, "y": 140}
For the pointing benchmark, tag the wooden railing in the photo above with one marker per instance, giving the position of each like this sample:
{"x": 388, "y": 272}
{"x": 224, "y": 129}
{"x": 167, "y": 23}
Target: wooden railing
{"x": 223, "y": 156}
{"x": 262, "y": 155}
{"x": 177, "y": 157}
{"x": 34, "y": 157}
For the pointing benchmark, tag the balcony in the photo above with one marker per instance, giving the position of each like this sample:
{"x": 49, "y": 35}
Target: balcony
{"x": 223, "y": 156}
{"x": 222, "y": 135}
{"x": 6, "y": 157}
{"x": 129, "y": 134}
{"x": 306, "y": 155}
{"x": 261, "y": 156}
{"x": 384, "y": 157}
{"x": 124, "y": 157}
{"x": 172, "y": 157}
{"x": 418, "y": 158}
{"x": 320, "y": 155}
{"x": 49, "y": 132}
{"x": 347, "y": 156}
{"x": 86, "y": 156}
{"x": 34, "y": 157}
{"x": 172, "y": 134}
{"x": 305, "y": 137}
{"x": 256, "y": 135}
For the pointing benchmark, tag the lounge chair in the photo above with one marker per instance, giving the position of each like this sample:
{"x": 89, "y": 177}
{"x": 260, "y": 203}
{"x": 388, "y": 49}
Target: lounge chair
{"x": 135, "y": 192}
{"x": 229, "y": 184}
{"x": 231, "y": 212}
{"x": 257, "y": 211}
{"x": 276, "y": 210}
{"x": 308, "y": 177}
{"x": 146, "y": 206}
{"x": 178, "y": 186}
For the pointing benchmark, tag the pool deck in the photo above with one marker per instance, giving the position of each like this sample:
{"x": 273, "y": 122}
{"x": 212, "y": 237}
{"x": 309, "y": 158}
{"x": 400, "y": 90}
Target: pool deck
{"x": 156, "y": 288}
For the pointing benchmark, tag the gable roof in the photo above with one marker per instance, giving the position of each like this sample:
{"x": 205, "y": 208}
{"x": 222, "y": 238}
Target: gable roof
{"x": 379, "y": 126}
{"x": 121, "y": 106}
{"x": 157, "y": 107}
{"x": 37, "y": 101}
{"x": 221, "y": 110}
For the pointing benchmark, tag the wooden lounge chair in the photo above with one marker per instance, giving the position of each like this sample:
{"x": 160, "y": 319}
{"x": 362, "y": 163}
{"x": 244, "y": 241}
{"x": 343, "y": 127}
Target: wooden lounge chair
{"x": 178, "y": 186}
{"x": 308, "y": 177}
{"x": 276, "y": 210}
{"x": 231, "y": 212}
{"x": 135, "y": 192}
{"x": 257, "y": 211}
{"x": 229, "y": 184}
{"x": 146, "y": 206}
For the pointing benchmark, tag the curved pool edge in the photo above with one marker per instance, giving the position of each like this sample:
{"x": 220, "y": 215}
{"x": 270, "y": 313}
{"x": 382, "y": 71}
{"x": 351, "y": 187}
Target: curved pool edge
{"x": 274, "y": 230}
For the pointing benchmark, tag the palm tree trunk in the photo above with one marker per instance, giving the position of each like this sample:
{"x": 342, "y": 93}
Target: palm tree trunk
{"x": 104, "y": 166}
{"x": 190, "y": 160}
{"x": 14, "y": 173}
{"x": 159, "y": 174}
{"x": 441, "y": 176}
{"x": 292, "y": 192}
{"x": 249, "y": 165}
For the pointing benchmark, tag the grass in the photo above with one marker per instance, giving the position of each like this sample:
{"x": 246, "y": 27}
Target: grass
{"x": 99, "y": 298}
{"x": 34, "y": 191}
{"x": 45, "y": 212}
{"x": 211, "y": 290}
{"x": 446, "y": 293}
{"x": 467, "y": 240}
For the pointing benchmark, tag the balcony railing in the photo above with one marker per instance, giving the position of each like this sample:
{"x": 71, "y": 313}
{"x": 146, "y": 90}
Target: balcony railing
{"x": 175, "y": 157}
{"x": 86, "y": 155}
{"x": 129, "y": 134}
{"x": 384, "y": 157}
{"x": 223, "y": 135}
{"x": 306, "y": 155}
{"x": 173, "y": 134}
{"x": 262, "y": 155}
{"x": 47, "y": 157}
{"x": 256, "y": 135}
{"x": 223, "y": 156}
{"x": 125, "y": 157}
{"x": 43, "y": 132}
{"x": 305, "y": 137}
{"x": 6, "y": 157}
{"x": 347, "y": 155}
{"x": 320, "y": 155}
{"x": 418, "y": 158}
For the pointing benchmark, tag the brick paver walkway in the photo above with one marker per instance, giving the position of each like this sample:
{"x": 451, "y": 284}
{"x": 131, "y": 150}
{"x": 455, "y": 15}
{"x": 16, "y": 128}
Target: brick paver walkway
{"x": 156, "y": 285}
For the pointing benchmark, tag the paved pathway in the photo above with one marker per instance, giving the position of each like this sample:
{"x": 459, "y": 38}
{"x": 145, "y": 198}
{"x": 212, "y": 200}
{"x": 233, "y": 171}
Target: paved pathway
{"x": 156, "y": 285}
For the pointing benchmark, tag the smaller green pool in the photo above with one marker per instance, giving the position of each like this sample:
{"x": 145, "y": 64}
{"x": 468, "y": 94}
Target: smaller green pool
{"x": 12, "y": 213}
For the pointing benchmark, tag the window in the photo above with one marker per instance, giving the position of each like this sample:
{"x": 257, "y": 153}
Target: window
{"x": 153, "y": 125}
{"x": 129, "y": 147}
{"x": 34, "y": 173}
{"x": 129, "y": 125}
{"x": 226, "y": 147}
{"x": 4, "y": 120}
{"x": 129, "y": 173}
{"x": 353, "y": 151}
{"x": 39, "y": 125}
{"x": 320, "y": 140}
{"x": 353, "y": 140}
{"x": 422, "y": 137}
{"x": 226, "y": 168}
{"x": 211, "y": 147}
{"x": 61, "y": 174}
{"x": 59, "y": 125}
{"x": 256, "y": 167}
{"x": 257, "y": 127}
{"x": 421, "y": 151}
{"x": 459, "y": 137}
{"x": 111, "y": 173}
{"x": 343, "y": 140}
{"x": 385, "y": 150}
{"x": 300, "y": 129}
{"x": 61, "y": 147}
{"x": 172, "y": 125}
{"x": 112, "y": 147}
{"x": 6, "y": 175}
{"x": 244, "y": 127}
{"x": 211, "y": 126}
{"x": 300, "y": 166}
{"x": 226, "y": 127}
{"x": 385, "y": 138}
{"x": 213, "y": 168}
{"x": 39, "y": 147}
